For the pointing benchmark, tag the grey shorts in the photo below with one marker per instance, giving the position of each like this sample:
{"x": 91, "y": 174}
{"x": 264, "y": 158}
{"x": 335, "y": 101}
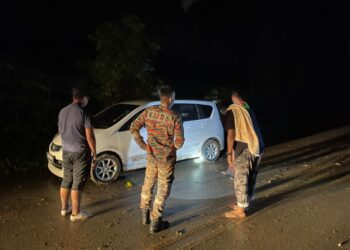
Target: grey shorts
{"x": 76, "y": 168}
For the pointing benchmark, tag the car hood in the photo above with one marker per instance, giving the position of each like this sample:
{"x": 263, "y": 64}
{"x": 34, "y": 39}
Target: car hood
{"x": 58, "y": 141}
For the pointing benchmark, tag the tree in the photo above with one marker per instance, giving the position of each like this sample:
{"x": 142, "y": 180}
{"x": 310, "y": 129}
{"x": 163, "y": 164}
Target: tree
{"x": 24, "y": 98}
{"x": 123, "y": 66}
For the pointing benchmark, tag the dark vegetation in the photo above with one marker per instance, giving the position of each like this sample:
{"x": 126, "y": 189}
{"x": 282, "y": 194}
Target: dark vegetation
{"x": 291, "y": 61}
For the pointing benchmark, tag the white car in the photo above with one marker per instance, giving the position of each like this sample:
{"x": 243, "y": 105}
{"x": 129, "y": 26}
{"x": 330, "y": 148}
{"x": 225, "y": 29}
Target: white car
{"x": 117, "y": 151}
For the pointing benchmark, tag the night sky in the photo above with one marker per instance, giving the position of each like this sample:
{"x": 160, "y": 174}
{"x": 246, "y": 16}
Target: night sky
{"x": 292, "y": 57}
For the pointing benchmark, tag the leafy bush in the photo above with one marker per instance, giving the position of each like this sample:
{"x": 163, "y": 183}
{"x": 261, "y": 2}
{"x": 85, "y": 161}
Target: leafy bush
{"x": 25, "y": 104}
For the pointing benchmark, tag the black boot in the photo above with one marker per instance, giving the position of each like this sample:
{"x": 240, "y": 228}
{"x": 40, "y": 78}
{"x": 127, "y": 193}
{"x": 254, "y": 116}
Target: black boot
{"x": 158, "y": 225}
{"x": 145, "y": 216}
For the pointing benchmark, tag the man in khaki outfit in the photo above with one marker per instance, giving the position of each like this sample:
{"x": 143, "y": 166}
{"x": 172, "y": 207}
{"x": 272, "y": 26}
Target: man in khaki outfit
{"x": 165, "y": 136}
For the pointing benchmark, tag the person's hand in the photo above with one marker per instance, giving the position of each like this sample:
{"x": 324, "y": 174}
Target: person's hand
{"x": 231, "y": 161}
{"x": 93, "y": 163}
{"x": 144, "y": 146}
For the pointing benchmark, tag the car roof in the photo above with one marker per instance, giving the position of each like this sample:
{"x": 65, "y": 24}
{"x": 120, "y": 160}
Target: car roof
{"x": 151, "y": 103}
{"x": 136, "y": 102}
{"x": 195, "y": 101}
{"x": 184, "y": 102}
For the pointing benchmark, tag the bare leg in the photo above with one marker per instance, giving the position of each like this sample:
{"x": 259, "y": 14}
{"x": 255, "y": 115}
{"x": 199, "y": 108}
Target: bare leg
{"x": 76, "y": 196}
{"x": 64, "y": 193}
{"x": 233, "y": 206}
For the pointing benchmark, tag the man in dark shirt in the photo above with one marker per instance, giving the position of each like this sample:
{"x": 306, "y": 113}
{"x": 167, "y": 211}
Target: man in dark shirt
{"x": 240, "y": 160}
{"x": 77, "y": 135}
{"x": 230, "y": 124}
{"x": 238, "y": 147}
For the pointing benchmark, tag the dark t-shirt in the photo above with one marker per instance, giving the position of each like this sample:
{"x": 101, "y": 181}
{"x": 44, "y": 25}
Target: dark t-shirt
{"x": 230, "y": 124}
{"x": 72, "y": 122}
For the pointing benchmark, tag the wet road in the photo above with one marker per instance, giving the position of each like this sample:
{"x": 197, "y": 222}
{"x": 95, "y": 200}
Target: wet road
{"x": 302, "y": 203}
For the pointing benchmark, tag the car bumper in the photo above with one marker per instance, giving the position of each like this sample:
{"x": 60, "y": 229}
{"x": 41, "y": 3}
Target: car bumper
{"x": 56, "y": 170}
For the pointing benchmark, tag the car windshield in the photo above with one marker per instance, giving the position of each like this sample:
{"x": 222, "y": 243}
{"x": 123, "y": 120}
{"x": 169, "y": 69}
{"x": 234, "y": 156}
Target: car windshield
{"x": 112, "y": 115}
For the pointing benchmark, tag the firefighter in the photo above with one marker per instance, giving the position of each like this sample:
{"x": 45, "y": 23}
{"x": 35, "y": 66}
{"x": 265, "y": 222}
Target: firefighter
{"x": 165, "y": 137}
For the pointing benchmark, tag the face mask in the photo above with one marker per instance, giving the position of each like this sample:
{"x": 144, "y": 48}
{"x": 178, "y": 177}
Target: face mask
{"x": 171, "y": 105}
{"x": 84, "y": 102}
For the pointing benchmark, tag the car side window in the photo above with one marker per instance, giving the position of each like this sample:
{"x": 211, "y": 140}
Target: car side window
{"x": 127, "y": 125}
{"x": 188, "y": 112}
{"x": 205, "y": 111}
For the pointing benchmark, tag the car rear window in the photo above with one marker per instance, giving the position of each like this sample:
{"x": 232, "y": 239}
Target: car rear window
{"x": 205, "y": 111}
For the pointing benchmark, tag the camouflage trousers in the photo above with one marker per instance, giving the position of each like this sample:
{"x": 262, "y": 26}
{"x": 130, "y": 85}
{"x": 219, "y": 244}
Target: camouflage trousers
{"x": 246, "y": 171}
{"x": 164, "y": 174}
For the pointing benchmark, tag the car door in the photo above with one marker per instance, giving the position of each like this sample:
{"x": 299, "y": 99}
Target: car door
{"x": 205, "y": 127}
{"x": 135, "y": 156}
{"x": 191, "y": 124}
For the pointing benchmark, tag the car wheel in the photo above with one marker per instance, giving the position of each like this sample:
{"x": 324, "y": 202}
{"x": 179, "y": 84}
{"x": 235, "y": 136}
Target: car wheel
{"x": 108, "y": 168}
{"x": 211, "y": 150}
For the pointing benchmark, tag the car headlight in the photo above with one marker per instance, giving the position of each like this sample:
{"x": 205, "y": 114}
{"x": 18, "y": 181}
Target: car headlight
{"x": 55, "y": 147}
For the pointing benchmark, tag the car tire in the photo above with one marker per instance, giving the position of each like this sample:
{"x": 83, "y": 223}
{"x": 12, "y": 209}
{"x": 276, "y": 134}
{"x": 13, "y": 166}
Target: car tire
{"x": 211, "y": 150}
{"x": 108, "y": 168}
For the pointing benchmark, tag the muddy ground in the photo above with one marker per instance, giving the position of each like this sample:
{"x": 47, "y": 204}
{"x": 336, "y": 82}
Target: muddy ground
{"x": 302, "y": 202}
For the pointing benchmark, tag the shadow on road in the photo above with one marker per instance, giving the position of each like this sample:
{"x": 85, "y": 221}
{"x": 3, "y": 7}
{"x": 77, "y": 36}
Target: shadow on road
{"x": 309, "y": 152}
{"x": 268, "y": 202}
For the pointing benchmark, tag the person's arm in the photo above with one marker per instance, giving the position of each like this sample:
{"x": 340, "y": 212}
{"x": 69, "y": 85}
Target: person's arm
{"x": 135, "y": 128}
{"x": 179, "y": 133}
{"x": 230, "y": 149}
{"x": 230, "y": 127}
{"x": 90, "y": 135}
{"x": 91, "y": 139}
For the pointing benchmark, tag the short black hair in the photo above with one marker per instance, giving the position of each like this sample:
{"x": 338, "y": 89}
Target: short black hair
{"x": 234, "y": 93}
{"x": 165, "y": 91}
{"x": 239, "y": 93}
{"x": 78, "y": 92}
